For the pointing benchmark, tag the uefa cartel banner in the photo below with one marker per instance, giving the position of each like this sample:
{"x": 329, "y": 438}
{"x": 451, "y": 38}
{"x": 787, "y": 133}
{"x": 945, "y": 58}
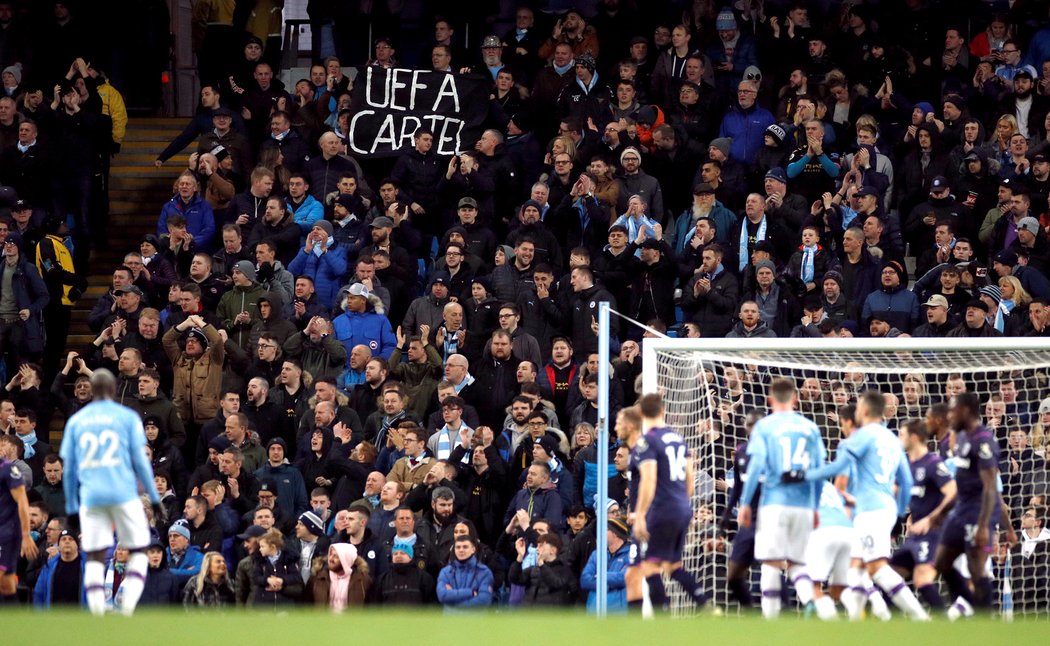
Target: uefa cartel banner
{"x": 389, "y": 105}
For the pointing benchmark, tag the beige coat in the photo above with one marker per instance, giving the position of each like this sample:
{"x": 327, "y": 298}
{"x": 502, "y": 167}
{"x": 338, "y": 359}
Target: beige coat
{"x": 198, "y": 382}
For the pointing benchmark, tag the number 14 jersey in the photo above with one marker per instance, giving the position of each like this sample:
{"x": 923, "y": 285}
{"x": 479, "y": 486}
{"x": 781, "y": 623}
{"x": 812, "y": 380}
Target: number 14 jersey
{"x": 782, "y": 442}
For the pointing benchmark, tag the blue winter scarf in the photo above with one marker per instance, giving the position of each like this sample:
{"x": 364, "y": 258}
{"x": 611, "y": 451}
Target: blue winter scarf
{"x": 744, "y": 256}
{"x": 29, "y": 440}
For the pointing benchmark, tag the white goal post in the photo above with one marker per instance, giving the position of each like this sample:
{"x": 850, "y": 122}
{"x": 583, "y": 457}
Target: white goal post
{"x": 710, "y": 385}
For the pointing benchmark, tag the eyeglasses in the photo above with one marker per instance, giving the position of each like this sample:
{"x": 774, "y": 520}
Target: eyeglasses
{"x": 746, "y": 92}
{"x": 1010, "y": 51}
{"x": 562, "y": 161}
{"x": 505, "y": 316}
{"x": 453, "y": 253}
{"x": 266, "y": 345}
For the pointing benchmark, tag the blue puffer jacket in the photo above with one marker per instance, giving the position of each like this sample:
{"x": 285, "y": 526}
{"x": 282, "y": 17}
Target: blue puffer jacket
{"x": 747, "y": 129}
{"x": 616, "y": 601}
{"x": 326, "y": 270}
{"x": 365, "y": 328}
{"x": 544, "y": 502}
{"x": 42, "y": 591}
{"x": 470, "y": 584}
{"x": 306, "y": 214}
{"x": 200, "y": 220}
{"x": 899, "y": 306}
{"x": 190, "y": 565}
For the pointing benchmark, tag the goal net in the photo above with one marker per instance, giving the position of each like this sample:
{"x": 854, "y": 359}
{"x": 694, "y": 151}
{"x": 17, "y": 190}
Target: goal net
{"x": 710, "y": 386}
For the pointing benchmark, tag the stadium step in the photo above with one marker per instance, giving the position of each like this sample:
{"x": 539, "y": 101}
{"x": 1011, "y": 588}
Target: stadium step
{"x": 137, "y": 191}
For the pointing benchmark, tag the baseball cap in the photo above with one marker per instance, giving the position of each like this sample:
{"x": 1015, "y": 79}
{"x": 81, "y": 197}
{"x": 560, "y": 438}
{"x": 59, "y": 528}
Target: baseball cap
{"x": 468, "y": 201}
{"x": 129, "y": 289}
{"x": 618, "y": 227}
{"x": 939, "y": 183}
{"x": 222, "y": 111}
{"x": 491, "y": 41}
{"x": 865, "y": 191}
{"x": 937, "y": 301}
{"x": 703, "y": 188}
{"x": 357, "y": 289}
{"x": 22, "y": 205}
{"x": 252, "y": 532}
{"x": 650, "y": 243}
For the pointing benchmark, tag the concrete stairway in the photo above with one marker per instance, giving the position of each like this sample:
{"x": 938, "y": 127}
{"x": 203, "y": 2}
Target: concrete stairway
{"x": 137, "y": 191}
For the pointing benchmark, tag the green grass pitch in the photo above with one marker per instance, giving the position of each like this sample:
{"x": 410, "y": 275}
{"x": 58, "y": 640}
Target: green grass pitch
{"x": 396, "y": 628}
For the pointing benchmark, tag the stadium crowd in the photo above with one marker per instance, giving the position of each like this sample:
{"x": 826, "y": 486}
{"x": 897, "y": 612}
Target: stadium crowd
{"x": 370, "y": 382}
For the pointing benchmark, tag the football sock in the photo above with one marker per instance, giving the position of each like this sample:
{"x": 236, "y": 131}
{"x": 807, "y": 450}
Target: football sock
{"x": 898, "y": 590}
{"x": 94, "y": 586}
{"x": 740, "y": 590}
{"x": 957, "y": 585}
{"x": 803, "y": 584}
{"x": 770, "y": 584}
{"x": 657, "y": 594}
{"x": 982, "y": 593}
{"x": 134, "y": 581}
{"x": 825, "y": 607}
{"x": 877, "y": 599}
{"x": 690, "y": 585}
{"x": 932, "y": 596}
{"x": 855, "y": 596}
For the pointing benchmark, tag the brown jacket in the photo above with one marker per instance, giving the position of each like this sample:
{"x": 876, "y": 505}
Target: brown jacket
{"x": 316, "y": 589}
{"x": 198, "y": 383}
{"x": 408, "y": 476}
{"x": 586, "y": 44}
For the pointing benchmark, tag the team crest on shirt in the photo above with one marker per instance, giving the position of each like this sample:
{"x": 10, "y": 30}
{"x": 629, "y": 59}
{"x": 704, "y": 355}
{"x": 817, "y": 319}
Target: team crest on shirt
{"x": 641, "y": 445}
{"x": 15, "y": 472}
{"x": 920, "y": 473}
{"x": 985, "y": 452}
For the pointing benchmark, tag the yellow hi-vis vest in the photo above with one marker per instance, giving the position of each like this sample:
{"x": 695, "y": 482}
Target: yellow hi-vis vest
{"x": 65, "y": 261}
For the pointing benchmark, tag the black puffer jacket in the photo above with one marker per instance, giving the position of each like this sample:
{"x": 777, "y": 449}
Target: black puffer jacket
{"x": 287, "y": 568}
{"x": 551, "y": 584}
